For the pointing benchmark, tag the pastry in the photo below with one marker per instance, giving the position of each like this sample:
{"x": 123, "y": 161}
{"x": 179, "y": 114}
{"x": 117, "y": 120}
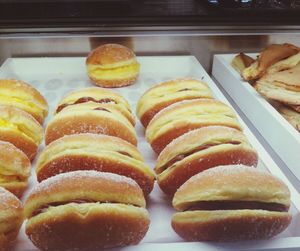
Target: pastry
{"x": 20, "y": 129}
{"x": 90, "y": 118}
{"x": 290, "y": 115}
{"x": 167, "y": 93}
{"x": 285, "y": 64}
{"x": 241, "y": 61}
{"x": 86, "y": 210}
{"x": 99, "y": 96}
{"x": 184, "y": 116}
{"x": 199, "y": 150}
{"x": 94, "y": 152}
{"x": 112, "y": 65}
{"x": 11, "y": 219}
{"x": 231, "y": 203}
{"x": 21, "y": 95}
{"x": 283, "y": 86}
{"x": 268, "y": 57}
{"x": 14, "y": 168}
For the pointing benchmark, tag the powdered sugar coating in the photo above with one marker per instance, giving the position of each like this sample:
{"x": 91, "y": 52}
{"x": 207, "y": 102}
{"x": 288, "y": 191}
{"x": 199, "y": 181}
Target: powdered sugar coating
{"x": 56, "y": 180}
{"x": 233, "y": 169}
{"x": 8, "y": 200}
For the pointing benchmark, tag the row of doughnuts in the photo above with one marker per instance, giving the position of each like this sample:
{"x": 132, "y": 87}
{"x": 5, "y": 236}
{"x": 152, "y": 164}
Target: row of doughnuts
{"x": 191, "y": 132}
{"x": 207, "y": 165}
{"x": 22, "y": 112}
{"x": 93, "y": 174}
{"x": 275, "y": 74}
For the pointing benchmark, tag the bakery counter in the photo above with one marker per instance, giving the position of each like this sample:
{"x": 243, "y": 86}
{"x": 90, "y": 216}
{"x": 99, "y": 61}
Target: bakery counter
{"x": 61, "y": 79}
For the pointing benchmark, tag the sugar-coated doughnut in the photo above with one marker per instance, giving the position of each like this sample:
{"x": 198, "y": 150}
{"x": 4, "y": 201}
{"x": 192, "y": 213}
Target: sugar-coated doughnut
{"x": 90, "y": 118}
{"x": 14, "y": 169}
{"x": 22, "y": 95}
{"x": 20, "y": 129}
{"x": 86, "y": 210}
{"x": 167, "y": 93}
{"x": 231, "y": 203}
{"x": 112, "y": 65}
{"x": 199, "y": 150}
{"x": 94, "y": 152}
{"x": 11, "y": 219}
{"x": 184, "y": 116}
{"x": 99, "y": 96}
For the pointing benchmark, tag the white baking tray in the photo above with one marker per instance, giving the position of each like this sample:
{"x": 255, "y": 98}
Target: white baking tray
{"x": 54, "y": 77}
{"x": 281, "y": 136}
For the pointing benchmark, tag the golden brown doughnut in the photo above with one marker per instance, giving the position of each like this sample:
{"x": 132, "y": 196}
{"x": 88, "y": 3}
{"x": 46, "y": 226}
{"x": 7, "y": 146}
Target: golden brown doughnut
{"x": 112, "y": 65}
{"x": 167, "y": 93}
{"x": 94, "y": 152}
{"x": 11, "y": 219}
{"x": 22, "y": 95}
{"x": 99, "y": 96}
{"x": 20, "y": 129}
{"x": 184, "y": 116}
{"x": 231, "y": 203}
{"x": 199, "y": 150}
{"x": 90, "y": 118}
{"x": 14, "y": 169}
{"x": 86, "y": 210}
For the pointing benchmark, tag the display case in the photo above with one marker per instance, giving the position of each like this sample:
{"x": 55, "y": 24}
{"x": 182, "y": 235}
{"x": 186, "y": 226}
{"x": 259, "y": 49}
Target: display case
{"x": 45, "y": 43}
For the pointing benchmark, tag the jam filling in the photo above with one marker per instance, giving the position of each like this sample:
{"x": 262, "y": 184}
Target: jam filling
{"x": 185, "y": 89}
{"x": 101, "y": 109}
{"x": 84, "y": 100}
{"x": 43, "y": 208}
{"x": 197, "y": 149}
{"x": 232, "y": 205}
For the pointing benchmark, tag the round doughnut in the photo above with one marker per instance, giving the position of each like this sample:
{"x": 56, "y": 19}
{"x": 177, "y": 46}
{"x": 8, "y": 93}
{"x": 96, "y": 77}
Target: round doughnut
{"x": 14, "y": 169}
{"x": 167, "y": 93}
{"x": 20, "y": 129}
{"x": 22, "y": 95}
{"x": 94, "y": 152}
{"x": 184, "y": 116}
{"x": 90, "y": 118}
{"x": 99, "y": 96}
{"x": 86, "y": 210}
{"x": 199, "y": 150}
{"x": 231, "y": 203}
{"x": 112, "y": 65}
{"x": 11, "y": 219}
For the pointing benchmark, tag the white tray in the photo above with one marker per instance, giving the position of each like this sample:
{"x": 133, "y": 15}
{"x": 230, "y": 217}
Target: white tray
{"x": 281, "y": 136}
{"x": 54, "y": 77}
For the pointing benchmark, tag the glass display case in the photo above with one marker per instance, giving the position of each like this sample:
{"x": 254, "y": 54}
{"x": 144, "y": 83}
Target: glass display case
{"x": 46, "y": 42}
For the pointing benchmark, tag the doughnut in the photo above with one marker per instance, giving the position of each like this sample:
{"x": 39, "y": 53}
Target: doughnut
{"x": 86, "y": 210}
{"x": 231, "y": 203}
{"x": 112, "y": 65}
{"x": 167, "y": 93}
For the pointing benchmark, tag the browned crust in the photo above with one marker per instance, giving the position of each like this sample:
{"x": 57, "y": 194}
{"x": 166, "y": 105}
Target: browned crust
{"x": 179, "y": 176}
{"x": 233, "y": 228}
{"x": 7, "y": 240}
{"x": 113, "y": 83}
{"x": 148, "y": 115}
{"x": 159, "y": 143}
{"x": 97, "y": 124}
{"x": 73, "y": 163}
{"x": 21, "y": 86}
{"x": 72, "y": 231}
{"x": 9, "y": 202}
{"x": 109, "y": 54}
{"x": 17, "y": 139}
{"x": 11, "y": 156}
{"x": 17, "y": 189}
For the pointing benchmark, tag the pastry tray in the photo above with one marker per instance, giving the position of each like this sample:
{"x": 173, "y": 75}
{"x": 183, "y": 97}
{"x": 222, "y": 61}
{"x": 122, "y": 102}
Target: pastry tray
{"x": 281, "y": 136}
{"x": 54, "y": 77}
